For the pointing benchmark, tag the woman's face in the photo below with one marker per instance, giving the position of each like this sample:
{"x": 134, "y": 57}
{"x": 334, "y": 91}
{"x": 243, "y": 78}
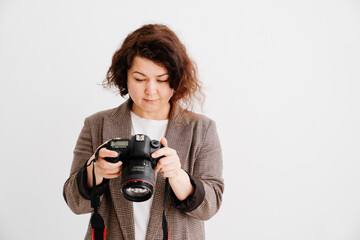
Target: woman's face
{"x": 149, "y": 88}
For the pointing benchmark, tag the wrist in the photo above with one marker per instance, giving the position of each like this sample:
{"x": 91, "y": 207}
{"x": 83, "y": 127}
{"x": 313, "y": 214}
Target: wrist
{"x": 89, "y": 170}
{"x": 181, "y": 185}
{"x": 179, "y": 174}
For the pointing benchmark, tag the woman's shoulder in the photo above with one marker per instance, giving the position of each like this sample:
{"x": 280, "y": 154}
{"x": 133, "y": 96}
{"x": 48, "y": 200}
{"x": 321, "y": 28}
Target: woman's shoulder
{"x": 196, "y": 126}
{"x": 201, "y": 118}
{"x": 102, "y": 113}
{"x": 107, "y": 113}
{"x": 195, "y": 119}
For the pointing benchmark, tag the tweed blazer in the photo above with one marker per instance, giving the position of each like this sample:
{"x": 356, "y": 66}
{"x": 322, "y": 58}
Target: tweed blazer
{"x": 197, "y": 144}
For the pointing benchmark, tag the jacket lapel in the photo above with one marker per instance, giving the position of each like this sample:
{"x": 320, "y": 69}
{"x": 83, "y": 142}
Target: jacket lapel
{"x": 118, "y": 125}
{"x": 173, "y": 131}
{"x": 156, "y": 209}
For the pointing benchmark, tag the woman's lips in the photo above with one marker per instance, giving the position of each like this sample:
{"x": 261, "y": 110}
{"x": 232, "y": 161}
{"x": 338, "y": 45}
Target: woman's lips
{"x": 150, "y": 101}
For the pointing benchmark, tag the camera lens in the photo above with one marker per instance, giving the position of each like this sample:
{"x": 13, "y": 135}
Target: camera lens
{"x": 137, "y": 192}
{"x": 138, "y": 180}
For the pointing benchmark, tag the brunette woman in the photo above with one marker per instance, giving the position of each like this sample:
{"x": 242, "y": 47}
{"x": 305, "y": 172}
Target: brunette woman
{"x": 151, "y": 69}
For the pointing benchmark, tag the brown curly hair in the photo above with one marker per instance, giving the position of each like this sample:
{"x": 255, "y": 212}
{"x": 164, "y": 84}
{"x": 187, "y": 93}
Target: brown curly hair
{"x": 159, "y": 44}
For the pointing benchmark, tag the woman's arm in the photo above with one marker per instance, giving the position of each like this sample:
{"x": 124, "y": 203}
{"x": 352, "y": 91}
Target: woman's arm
{"x": 206, "y": 175}
{"x": 82, "y": 153}
{"x": 198, "y": 193}
{"x": 170, "y": 167}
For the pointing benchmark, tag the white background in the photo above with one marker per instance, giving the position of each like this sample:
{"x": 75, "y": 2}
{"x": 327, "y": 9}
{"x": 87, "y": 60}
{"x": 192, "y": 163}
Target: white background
{"x": 282, "y": 80}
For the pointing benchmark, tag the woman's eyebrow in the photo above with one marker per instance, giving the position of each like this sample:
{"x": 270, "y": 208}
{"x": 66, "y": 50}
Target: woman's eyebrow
{"x": 162, "y": 75}
{"x": 139, "y": 73}
{"x": 146, "y": 76}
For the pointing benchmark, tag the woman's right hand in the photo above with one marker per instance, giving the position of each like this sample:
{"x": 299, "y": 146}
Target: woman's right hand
{"x": 103, "y": 168}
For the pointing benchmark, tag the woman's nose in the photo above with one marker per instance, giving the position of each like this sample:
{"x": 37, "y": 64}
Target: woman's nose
{"x": 150, "y": 87}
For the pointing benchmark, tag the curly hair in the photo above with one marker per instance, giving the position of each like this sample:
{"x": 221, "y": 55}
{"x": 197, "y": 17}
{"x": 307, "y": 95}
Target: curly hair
{"x": 159, "y": 44}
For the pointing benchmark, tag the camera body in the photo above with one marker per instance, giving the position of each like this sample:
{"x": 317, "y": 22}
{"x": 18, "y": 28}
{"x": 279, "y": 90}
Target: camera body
{"x": 138, "y": 176}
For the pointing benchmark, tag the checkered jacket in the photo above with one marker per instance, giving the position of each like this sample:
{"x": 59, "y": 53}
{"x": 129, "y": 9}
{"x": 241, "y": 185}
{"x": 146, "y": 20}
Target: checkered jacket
{"x": 197, "y": 144}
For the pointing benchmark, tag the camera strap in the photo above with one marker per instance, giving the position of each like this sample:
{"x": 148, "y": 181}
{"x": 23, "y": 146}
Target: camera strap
{"x": 97, "y": 222}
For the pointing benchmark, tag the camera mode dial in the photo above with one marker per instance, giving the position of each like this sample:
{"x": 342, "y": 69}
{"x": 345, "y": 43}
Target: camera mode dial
{"x": 155, "y": 143}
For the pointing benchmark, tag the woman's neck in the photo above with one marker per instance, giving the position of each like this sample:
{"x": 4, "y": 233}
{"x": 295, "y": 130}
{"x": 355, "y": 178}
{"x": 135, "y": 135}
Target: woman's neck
{"x": 162, "y": 114}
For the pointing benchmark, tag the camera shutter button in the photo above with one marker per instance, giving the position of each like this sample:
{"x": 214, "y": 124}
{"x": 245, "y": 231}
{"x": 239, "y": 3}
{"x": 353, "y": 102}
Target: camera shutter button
{"x": 155, "y": 143}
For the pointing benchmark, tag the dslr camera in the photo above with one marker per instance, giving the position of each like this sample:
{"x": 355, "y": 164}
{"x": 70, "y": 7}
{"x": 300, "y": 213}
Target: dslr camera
{"x": 138, "y": 176}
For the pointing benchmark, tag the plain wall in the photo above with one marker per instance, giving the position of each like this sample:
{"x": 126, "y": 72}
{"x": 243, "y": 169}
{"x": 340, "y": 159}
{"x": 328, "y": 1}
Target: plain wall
{"x": 282, "y": 84}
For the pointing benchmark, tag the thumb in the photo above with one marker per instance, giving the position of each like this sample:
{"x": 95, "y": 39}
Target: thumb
{"x": 164, "y": 142}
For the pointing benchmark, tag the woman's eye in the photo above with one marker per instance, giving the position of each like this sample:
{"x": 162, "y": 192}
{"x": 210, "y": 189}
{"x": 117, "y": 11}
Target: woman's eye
{"x": 139, "y": 80}
{"x": 163, "y": 80}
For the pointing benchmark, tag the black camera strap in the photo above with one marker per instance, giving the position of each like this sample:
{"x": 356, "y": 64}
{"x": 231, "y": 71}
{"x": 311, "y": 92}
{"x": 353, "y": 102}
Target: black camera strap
{"x": 97, "y": 222}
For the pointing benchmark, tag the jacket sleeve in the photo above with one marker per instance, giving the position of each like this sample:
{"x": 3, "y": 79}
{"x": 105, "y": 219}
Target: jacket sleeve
{"x": 208, "y": 168}
{"x": 192, "y": 201}
{"x": 75, "y": 192}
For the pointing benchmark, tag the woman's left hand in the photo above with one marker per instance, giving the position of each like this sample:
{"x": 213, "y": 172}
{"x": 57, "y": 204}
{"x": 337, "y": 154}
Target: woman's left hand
{"x": 169, "y": 165}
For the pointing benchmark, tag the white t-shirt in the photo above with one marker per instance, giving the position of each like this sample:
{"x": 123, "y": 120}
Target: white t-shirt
{"x": 154, "y": 129}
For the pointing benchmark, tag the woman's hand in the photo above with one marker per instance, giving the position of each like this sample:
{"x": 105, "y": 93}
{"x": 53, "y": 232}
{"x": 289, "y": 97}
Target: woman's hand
{"x": 170, "y": 167}
{"x": 103, "y": 168}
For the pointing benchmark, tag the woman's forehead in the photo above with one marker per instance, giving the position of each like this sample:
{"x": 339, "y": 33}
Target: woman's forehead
{"x": 147, "y": 67}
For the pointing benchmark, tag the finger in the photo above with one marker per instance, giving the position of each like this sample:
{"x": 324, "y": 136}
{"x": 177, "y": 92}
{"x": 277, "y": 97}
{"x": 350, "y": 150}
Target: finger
{"x": 164, "y": 142}
{"x": 111, "y": 176}
{"x": 106, "y": 143}
{"x": 103, "y": 164}
{"x": 163, "y": 162}
{"x": 157, "y": 168}
{"x": 168, "y": 164}
{"x": 103, "y": 153}
{"x": 166, "y": 151}
{"x": 105, "y": 171}
{"x": 111, "y": 171}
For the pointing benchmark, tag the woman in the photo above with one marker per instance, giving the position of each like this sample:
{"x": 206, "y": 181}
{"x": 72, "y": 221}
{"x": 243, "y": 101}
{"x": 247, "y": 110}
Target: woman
{"x": 153, "y": 68}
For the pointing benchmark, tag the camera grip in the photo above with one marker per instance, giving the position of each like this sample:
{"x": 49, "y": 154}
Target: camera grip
{"x": 154, "y": 161}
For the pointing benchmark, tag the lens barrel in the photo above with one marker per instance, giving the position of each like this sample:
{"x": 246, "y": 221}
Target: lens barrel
{"x": 138, "y": 180}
